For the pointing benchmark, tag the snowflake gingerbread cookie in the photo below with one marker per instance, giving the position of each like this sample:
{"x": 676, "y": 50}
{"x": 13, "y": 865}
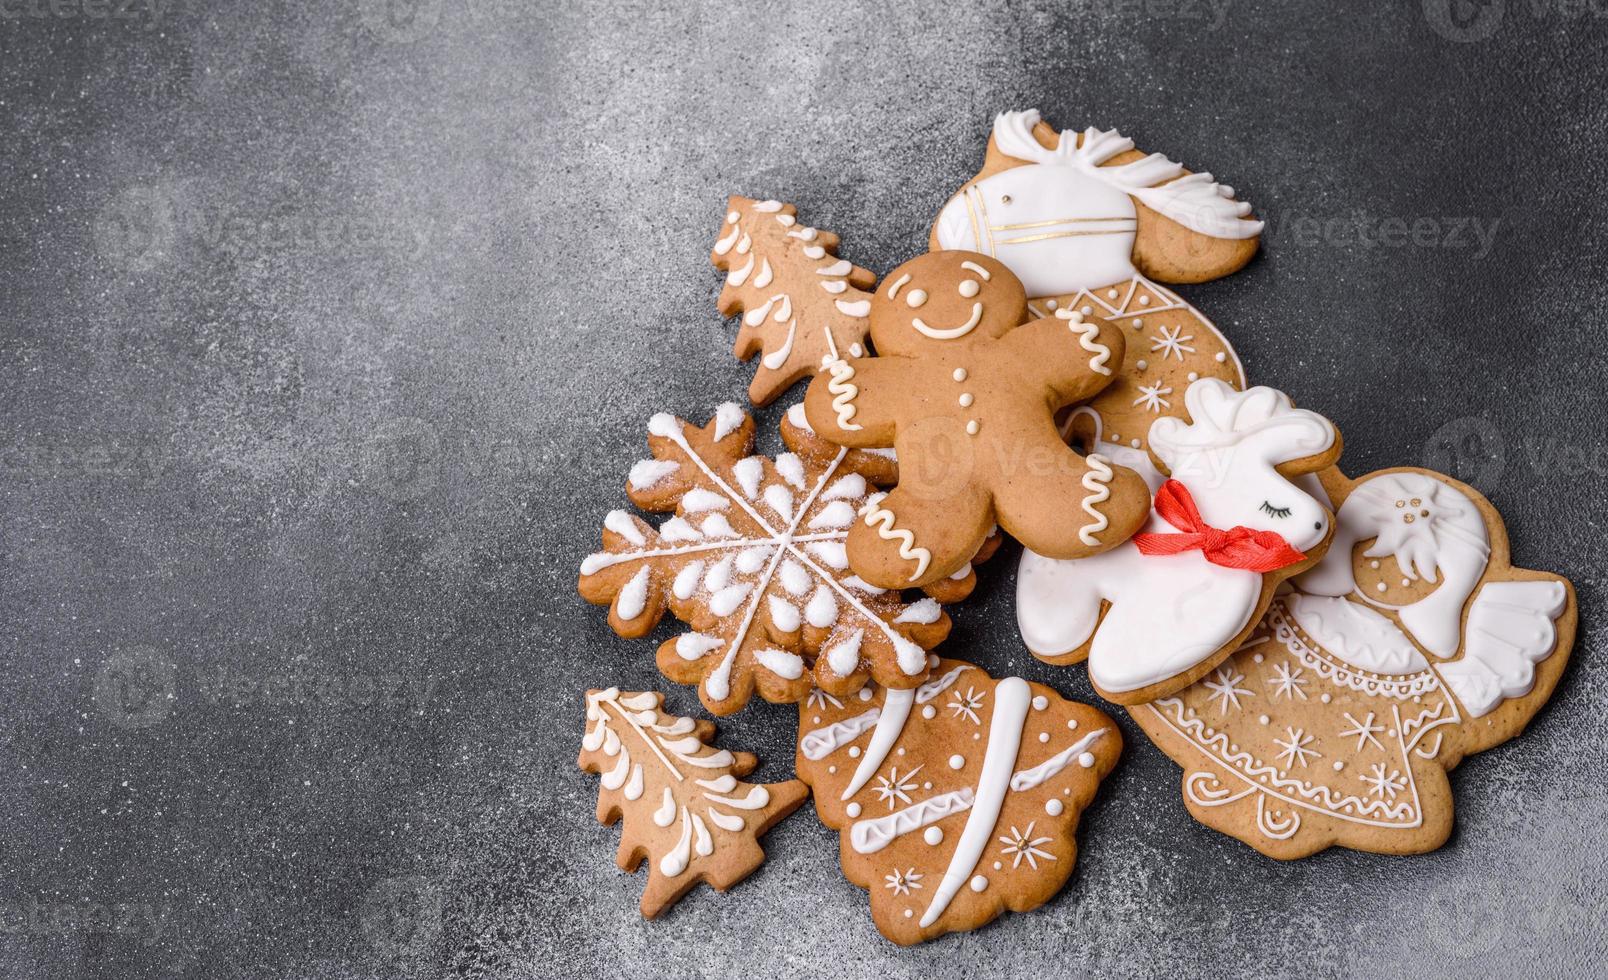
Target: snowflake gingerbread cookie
{"x": 683, "y": 806}
{"x": 957, "y": 800}
{"x": 967, "y": 394}
{"x": 1229, "y": 525}
{"x": 1093, "y": 225}
{"x": 754, "y": 561}
{"x": 798, "y": 300}
{"x": 1413, "y": 645}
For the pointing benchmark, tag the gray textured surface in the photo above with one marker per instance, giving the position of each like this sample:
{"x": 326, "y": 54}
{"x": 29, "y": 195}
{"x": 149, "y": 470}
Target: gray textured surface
{"x": 326, "y": 340}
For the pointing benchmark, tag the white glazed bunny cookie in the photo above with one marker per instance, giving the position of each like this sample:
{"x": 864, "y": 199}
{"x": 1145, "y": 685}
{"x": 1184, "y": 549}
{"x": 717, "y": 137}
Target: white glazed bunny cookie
{"x": 1156, "y": 613}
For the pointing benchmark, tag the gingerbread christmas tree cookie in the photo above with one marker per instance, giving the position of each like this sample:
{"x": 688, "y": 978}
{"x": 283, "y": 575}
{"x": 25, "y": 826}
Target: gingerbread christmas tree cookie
{"x": 957, "y": 800}
{"x": 799, "y": 302}
{"x": 681, "y": 803}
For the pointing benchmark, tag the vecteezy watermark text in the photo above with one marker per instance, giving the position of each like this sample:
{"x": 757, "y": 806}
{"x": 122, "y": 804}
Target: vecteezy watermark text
{"x": 149, "y": 14}
{"x": 227, "y": 686}
{"x": 34, "y": 916}
{"x": 1467, "y": 21}
{"x": 1458, "y": 233}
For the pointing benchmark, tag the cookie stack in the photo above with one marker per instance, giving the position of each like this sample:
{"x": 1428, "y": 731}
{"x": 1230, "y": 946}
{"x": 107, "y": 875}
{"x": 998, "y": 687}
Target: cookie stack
{"x": 1316, "y": 651}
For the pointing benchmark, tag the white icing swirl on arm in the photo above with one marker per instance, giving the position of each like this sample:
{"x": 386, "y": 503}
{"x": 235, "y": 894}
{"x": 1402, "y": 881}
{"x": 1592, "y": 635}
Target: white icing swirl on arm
{"x": 1095, "y": 481}
{"x": 1086, "y": 333}
{"x": 883, "y": 521}
{"x": 843, "y": 392}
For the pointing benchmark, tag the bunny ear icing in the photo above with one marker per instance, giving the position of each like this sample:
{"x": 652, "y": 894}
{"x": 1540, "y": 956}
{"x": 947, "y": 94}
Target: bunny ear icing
{"x": 1220, "y": 416}
{"x": 1196, "y": 201}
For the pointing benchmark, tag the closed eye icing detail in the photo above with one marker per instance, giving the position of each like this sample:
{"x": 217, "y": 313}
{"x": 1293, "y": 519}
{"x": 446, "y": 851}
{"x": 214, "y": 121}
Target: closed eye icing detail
{"x": 1270, "y": 510}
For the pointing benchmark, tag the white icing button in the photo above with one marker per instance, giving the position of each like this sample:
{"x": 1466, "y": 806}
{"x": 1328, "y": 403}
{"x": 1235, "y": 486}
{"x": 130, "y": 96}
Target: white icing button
{"x": 997, "y": 865}
{"x": 909, "y": 913}
{"x": 816, "y": 720}
{"x": 854, "y": 809}
{"x": 1136, "y": 444}
{"x": 1338, "y": 765}
{"x": 854, "y": 751}
{"x": 731, "y": 217}
{"x": 1375, "y": 564}
{"x": 1326, "y": 698}
{"x": 1144, "y": 301}
{"x": 929, "y": 712}
{"x": 1052, "y": 807}
{"x": 1040, "y": 702}
{"x": 959, "y": 375}
{"x": 1257, "y": 657}
{"x": 933, "y": 836}
{"x": 978, "y": 883}
{"x": 831, "y": 769}
{"x": 1086, "y": 760}
{"x": 977, "y": 737}
{"x": 1137, "y": 323}
{"x": 968, "y": 288}
{"x": 1193, "y": 376}
{"x": 1067, "y": 791}
{"x": 1406, "y": 582}
{"x": 1221, "y": 357}
{"x": 1111, "y": 294}
{"x": 1044, "y": 736}
{"x": 1087, "y": 310}
{"x": 966, "y": 399}
{"x": 956, "y": 761}
{"x": 916, "y": 297}
{"x": 971, "y": 427}
{"x": 1142, "y": 364}
{"x": 1380, "y": 586}
{"x": 1072, "y": 723}
{"x": 899, "y": 750}
{"x": 865, "y": 694}
{"x": 926, "y": 785}
{"x": 856, "y": 350}
{"x": 1264, "y": 719}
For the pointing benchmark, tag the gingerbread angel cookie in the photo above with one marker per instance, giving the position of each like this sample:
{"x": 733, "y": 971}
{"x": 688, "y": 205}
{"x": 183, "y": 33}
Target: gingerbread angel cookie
{"x": 1091, "y": 224}
{"x": 684, "y": 808}
{"x": 753, "y": 561}
{"x": 1412, "y": 645}
{"x": 957, "y": 800}
{"x": 798, "y": 300}
{"x": 968, "y": 399}
{"x": 1162, "y": 609}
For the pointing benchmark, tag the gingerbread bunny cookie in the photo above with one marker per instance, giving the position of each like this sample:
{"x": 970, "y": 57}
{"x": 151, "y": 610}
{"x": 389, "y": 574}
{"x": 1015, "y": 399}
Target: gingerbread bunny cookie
{"x": 1156, "y": 613}
{"x": 968, "y": 400}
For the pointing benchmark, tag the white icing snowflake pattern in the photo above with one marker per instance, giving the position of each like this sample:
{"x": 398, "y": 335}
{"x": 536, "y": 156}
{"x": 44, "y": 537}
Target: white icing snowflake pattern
{"x": 1225, "y": 687}
{"x": 783, "y": 560}
{"x": 966, "y": 705}
{"x": 895, "y": 788}
{"x": 902, "y": 881}
{"x": 1171, "y": 343}
{"x": 1364, "y": 731}
{"x": 1022, "y": 845}
{"x": 1150, "y": 396}
{"x": 1295, "y": 747}
{"x": 820, "y": 699}
{"x": 1383, "y": 785}
{"x": 1287, "y": 680}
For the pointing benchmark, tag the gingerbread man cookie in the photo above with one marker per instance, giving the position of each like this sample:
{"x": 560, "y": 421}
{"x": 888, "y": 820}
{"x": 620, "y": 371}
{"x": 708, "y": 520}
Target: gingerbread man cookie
{"x": 1414, "y": 644}
{"x": 1159, "y": 611}
{"x": 968, "y": 399}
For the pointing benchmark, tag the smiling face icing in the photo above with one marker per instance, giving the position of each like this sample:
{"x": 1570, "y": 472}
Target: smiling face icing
{"x": 944, "y": 297}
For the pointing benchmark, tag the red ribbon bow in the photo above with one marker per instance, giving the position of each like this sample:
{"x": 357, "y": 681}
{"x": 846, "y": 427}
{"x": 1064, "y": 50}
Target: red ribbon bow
{"x": 1238, "y": 547}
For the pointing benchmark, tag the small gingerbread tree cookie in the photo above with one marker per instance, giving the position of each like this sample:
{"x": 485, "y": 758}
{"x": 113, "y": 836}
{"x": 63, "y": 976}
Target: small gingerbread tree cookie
{"x": 968, "y": 398}
{"x": 798, "y": 300}
{"x": 684, "y": 808}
